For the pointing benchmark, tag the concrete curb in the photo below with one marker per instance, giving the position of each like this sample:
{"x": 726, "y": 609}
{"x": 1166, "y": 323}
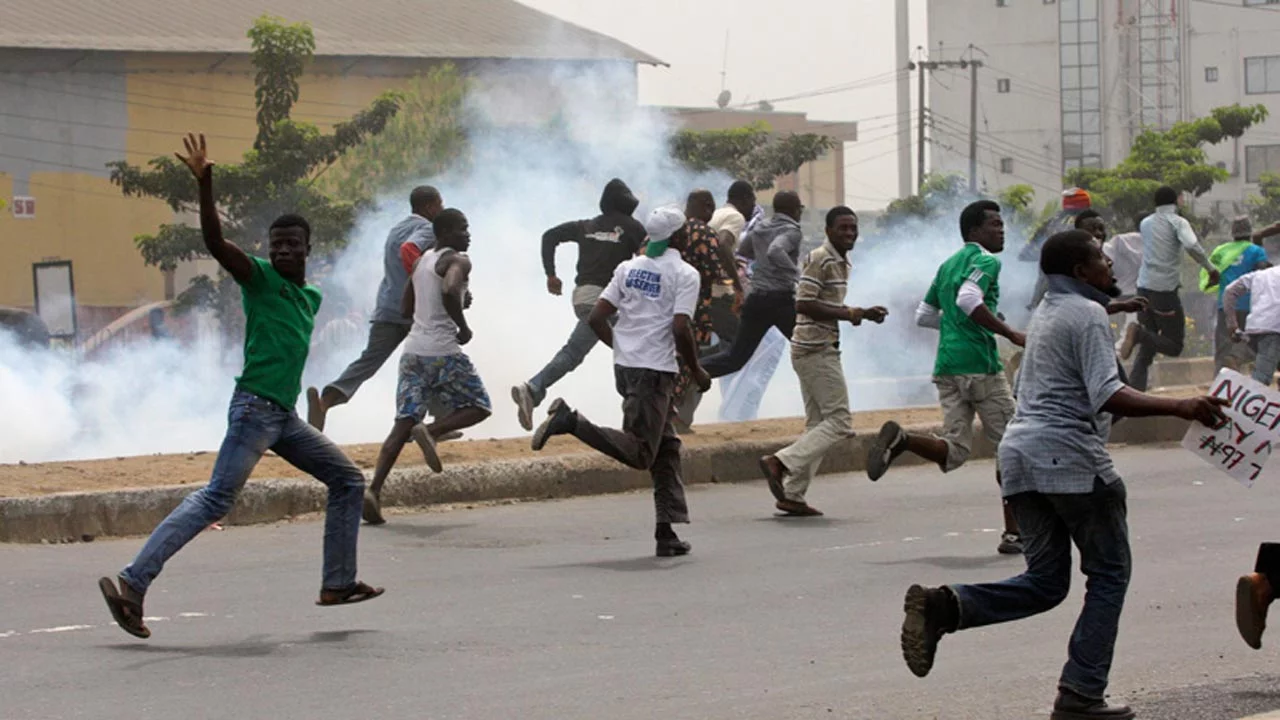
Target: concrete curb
{"x": 74, "y": 516}
{"x": 1273, "y": 715}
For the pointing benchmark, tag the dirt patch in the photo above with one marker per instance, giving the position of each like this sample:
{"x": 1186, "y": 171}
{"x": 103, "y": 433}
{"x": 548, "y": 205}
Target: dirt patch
{"x": 194, "y": 468}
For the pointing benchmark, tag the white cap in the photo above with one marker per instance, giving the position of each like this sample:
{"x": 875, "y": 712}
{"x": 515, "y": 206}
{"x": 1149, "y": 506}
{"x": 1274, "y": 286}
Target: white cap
{"x": 663, "y": 222}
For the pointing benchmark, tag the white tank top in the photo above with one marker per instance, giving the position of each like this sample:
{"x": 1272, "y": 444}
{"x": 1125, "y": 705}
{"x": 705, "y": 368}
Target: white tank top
{"x": 434, "y": 333}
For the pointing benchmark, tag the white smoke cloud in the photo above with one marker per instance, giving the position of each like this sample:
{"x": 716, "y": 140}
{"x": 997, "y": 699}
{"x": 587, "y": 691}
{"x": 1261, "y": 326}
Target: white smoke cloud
{"x": 518, "y": 181}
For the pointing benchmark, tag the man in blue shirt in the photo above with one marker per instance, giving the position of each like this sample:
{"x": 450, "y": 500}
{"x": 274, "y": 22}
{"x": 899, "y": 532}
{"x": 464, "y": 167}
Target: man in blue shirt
{"x": 1243, "y": 255}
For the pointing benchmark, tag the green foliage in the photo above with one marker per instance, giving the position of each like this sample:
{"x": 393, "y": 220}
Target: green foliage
{"x": 275, "y": 177}
{"x": 1266, "y": 204}
{"x": 281, "y": 53}
{"x": 941, "y": 193}
{"x": 752, "y": 153}
{"x": 1174, "y": 157}
{"x": 424, "y": 139}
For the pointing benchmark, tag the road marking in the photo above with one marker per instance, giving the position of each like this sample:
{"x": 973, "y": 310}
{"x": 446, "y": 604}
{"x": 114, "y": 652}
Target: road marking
{"x": 77, "y": 628}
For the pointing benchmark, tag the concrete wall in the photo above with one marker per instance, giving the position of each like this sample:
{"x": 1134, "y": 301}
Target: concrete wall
{"x": 64, "y": 115}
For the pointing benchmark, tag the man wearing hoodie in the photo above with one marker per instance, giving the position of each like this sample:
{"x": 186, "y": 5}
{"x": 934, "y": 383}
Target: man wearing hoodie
{"x": 604, "y": 242}
{"x": 774, "y": 245}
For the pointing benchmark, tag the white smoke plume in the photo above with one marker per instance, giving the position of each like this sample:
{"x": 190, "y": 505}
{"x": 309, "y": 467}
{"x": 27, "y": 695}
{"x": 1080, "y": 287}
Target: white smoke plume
{"x": 160, "y": 398}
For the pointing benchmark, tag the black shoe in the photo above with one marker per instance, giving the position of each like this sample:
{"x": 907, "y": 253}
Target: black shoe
{"x": 889, "y": 444}
{"x": 560, "y": 421}
{"x": 925, "y": 623}
{"x": 1070, "y": 706}
{"x": 1010, "y": 544}
{"x": 673, "y": 547}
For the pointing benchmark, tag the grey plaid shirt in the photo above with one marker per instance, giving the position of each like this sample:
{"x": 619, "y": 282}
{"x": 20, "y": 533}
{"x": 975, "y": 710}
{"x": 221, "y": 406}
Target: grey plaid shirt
{"x": 1057, "y": 440}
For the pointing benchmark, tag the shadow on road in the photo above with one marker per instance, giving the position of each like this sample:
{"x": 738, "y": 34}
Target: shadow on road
{"x": 808, "y": 522}
{"x": 422, "y": 532}
{"x": 251, "y": 647}
{"x": 640, "y": 564}
{"x": 959, "y": 562}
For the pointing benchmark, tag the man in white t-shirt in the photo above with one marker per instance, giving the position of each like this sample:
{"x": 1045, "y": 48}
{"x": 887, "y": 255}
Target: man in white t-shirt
{"x": 433, "y": 368}
{"x": 655, "y": 296}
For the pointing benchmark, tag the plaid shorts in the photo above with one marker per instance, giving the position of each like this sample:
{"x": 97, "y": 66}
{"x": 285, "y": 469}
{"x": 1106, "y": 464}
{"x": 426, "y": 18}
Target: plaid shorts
{"x": 449, "y": 381}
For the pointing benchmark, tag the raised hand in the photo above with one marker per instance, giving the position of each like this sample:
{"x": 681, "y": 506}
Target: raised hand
{"x": 197, "y": 159}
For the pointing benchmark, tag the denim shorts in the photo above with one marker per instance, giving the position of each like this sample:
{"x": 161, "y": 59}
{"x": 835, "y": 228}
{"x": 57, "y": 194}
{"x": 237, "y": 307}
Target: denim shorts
{"x": 448, "y": 381}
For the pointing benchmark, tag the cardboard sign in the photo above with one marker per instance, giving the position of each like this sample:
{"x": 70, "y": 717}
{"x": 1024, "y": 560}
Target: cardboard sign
{"x": 1242, "y": 447}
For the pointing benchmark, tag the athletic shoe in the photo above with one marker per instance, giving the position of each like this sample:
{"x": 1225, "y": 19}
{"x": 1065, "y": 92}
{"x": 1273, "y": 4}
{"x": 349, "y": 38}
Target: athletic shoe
{"x": 1010, "y": 544}
{"x": 428, "y": 446}
{"x": 889, "y": 444}
{"x": 560, "y": 421}
{"x": 523, "y": 397}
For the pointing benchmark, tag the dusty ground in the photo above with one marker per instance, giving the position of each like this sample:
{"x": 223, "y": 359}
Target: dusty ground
{"x": 157, "y": 470}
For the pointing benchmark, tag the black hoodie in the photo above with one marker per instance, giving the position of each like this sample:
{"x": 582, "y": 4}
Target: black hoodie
{"x": 604, "y": 241}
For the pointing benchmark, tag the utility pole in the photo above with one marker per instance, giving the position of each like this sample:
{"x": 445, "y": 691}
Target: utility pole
{"x": 901, "y": 60}
{"x": 973, "y": 66}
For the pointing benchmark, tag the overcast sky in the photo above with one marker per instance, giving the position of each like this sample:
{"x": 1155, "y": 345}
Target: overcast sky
{"x": 775, "y": 49}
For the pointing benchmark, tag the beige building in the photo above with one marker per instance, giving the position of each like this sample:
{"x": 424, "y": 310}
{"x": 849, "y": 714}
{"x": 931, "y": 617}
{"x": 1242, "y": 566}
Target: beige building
{"x": 84, "y": 84}
{"x": 819, "y": 183}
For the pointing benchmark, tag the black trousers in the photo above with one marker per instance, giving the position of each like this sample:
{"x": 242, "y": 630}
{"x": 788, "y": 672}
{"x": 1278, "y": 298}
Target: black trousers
{"x": 760, "y": 311}
{"x": 1163, "y": 330}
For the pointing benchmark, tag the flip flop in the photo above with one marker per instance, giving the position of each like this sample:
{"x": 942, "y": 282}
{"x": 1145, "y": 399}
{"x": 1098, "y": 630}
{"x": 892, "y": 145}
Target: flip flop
{"x": 355, "y": 594}
{"x": 126, "y": 613}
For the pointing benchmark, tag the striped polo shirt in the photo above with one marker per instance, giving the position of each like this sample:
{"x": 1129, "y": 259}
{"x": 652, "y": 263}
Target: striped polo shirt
{"x": 824, "y": 279}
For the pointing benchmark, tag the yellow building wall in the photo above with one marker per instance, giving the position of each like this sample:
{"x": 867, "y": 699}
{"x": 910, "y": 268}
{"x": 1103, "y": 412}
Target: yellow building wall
{"x": 85, "y": 219}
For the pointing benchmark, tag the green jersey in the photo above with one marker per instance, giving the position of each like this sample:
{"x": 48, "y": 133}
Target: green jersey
{"x": 279, "y": 317}
{"x": 964, "y": 346}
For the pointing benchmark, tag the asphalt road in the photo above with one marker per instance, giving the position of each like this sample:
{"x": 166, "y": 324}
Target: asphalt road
{"x": 557, "y": 610}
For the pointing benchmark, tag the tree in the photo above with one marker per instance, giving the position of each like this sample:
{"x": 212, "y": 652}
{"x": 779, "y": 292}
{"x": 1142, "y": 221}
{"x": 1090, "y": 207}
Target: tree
{"x": 1266, "y": 204}
{"x": 941, "y": 193}
{"x": 752, "y": 153}
{"x": 1173, "y": 157}
{"x": 275, "y": 177}
{"x": 424, "y": 139}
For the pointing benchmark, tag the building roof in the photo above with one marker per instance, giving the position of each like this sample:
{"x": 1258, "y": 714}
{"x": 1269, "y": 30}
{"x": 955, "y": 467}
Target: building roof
{"x": 462, "y": 29}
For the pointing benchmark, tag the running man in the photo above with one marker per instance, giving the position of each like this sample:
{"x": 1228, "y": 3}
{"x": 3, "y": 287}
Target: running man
{"x": 654, "y": 296}
{"x": 703, "y": 252}
{"x": 1243, "y": 255}
{"x": 388, "y": 328}
{"x": 1163, "y": 325}
{"x": 774, "y": 245}
{"x": 1062, "y": 485}
{"x": 603, "y": 243}
{"x": 961, "y": 304}
{"x": 433, "y": 366}
{"x": 279, "y": 308}
{"x": 815, "y": 355}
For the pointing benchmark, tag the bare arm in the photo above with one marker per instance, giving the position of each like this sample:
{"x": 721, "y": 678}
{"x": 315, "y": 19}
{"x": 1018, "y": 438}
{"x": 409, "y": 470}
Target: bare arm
{"x": 599, "y": 321}
{"x": 819, "y": 310}
{"x": 1128, "y": 402}
{"x": 987, "y": 319}
{"x": 456, "y": 269}
{"x": 229, "y": 256}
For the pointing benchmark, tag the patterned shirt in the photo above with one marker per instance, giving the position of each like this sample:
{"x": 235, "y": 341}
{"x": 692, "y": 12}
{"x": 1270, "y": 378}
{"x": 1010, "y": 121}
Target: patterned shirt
{"x": 703, "y": 253}
{"x": 824, "y": 279}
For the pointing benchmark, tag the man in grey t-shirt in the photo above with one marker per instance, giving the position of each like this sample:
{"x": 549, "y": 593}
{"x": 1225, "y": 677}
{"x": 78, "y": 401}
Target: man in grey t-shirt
{"x": 1061, "y": 484}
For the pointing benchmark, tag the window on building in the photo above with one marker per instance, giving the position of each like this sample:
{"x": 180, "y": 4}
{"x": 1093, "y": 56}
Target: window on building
{"x": 1002, "y": 85}
{"x": 1259, "y": 159}
{"x": 1262, "y": 74}
{"x": 1006, "y": 166}
{"x": 1211, "y": 74}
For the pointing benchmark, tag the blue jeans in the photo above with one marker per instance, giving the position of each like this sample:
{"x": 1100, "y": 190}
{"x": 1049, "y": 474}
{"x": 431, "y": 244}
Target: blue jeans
{"x": 1264, "y": 367}
{"x": 1097, "y": 524}
{"x": 569, "y": 357}
{"x": 255, "y": 424}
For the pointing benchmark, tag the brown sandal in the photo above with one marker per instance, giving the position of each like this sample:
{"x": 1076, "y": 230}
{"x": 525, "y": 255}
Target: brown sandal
{"x": 127, "y": 613}
{"x": 354, "y": 594}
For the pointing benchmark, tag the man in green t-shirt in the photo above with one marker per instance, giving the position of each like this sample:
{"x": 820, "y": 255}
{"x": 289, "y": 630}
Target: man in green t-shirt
{"x": 279, "y": 308}
{"x": 961, "y": 304}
